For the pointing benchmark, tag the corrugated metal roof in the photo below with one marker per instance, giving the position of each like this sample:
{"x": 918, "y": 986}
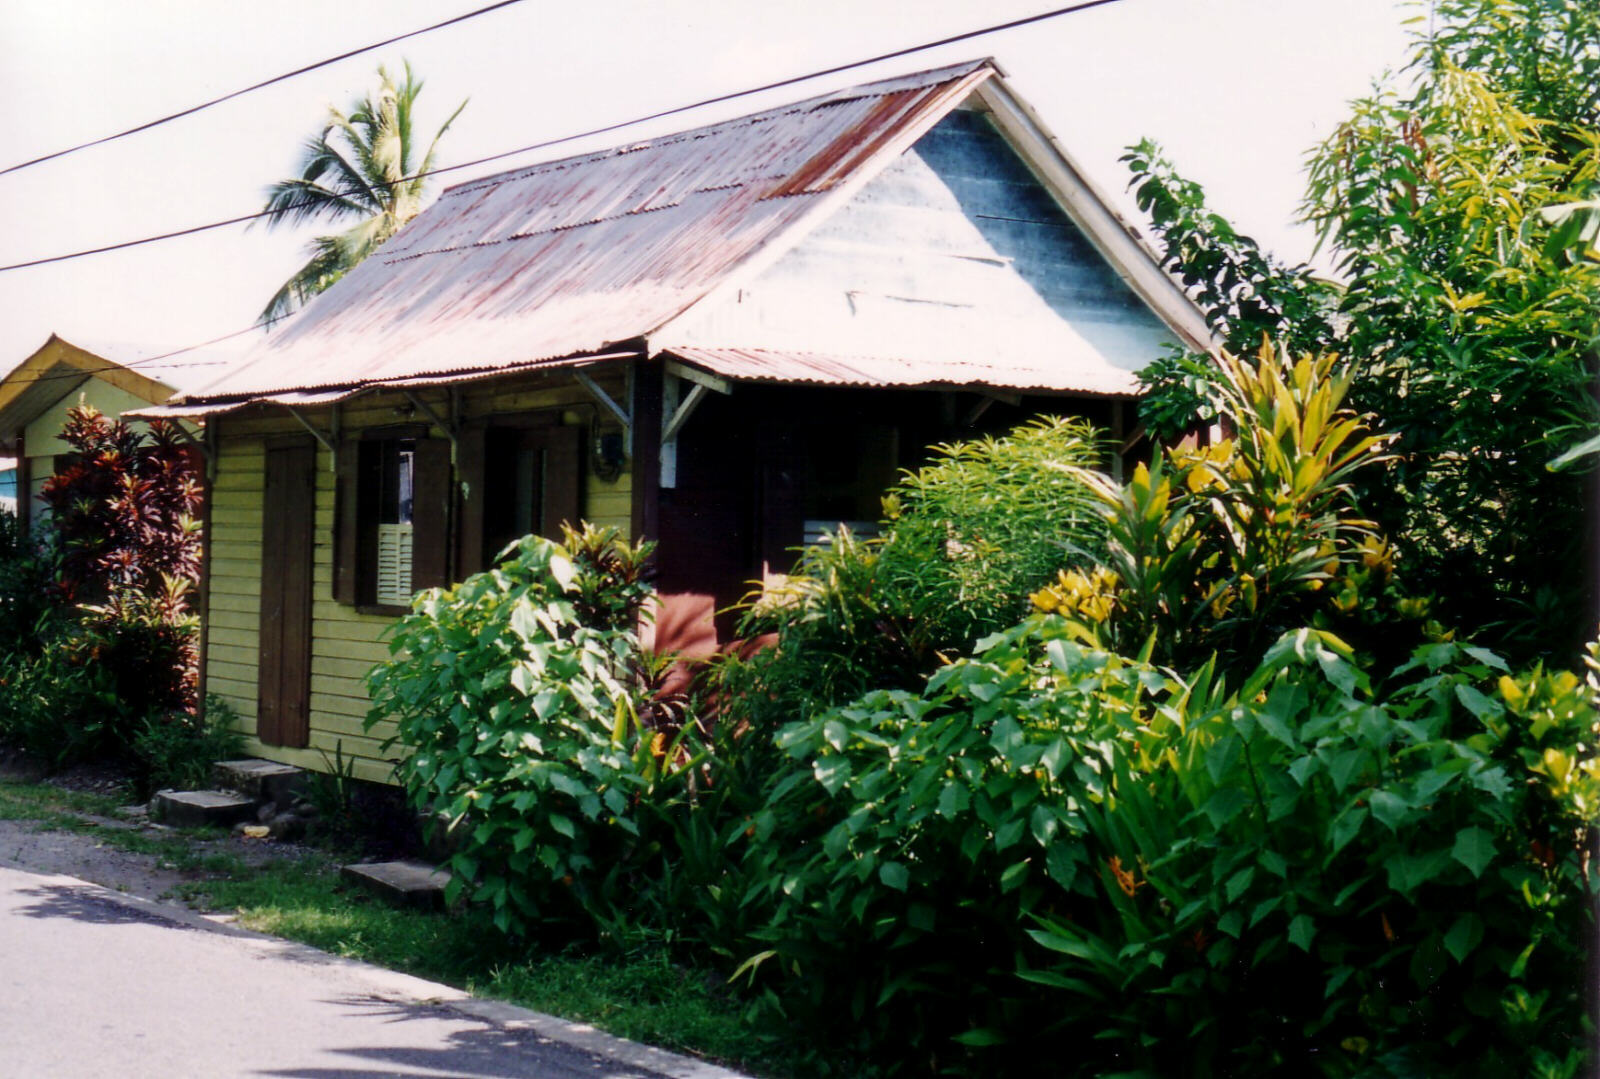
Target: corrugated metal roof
{"x": 816, "y": 369}
{"x": 571, "y": 257}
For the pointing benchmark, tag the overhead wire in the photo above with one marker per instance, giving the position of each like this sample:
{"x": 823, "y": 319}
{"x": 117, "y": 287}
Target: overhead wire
{"x": 264, "y": 83}
{"x": 895, "y": 54}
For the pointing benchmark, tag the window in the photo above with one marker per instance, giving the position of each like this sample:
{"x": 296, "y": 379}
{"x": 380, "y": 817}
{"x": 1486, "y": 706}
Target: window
{"x": 518, "y": 480}
{"x": 393, "y": 518}
{"x": 396, "y": 484}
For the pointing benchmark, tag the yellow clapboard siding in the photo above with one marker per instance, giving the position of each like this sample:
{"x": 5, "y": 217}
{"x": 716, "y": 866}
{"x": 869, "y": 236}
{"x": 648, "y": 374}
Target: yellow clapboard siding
{"x": 231, "y": 669}
{"x": 230, "y": 653}
{"x": 226, "y": 618}
{"x": 236, "y": 503}
{"x": 245, "y": 569}
{"x": 240, "y": 594}
{"x": 240, "y": 604}
{"x": 350, "y": 688}
{"x": 354, "y": 669}
{"x": 240, "y": 697}
{"x": 341, "y": 629}
{"x": 334, "y": 725}
{"x": 343, "y": 656}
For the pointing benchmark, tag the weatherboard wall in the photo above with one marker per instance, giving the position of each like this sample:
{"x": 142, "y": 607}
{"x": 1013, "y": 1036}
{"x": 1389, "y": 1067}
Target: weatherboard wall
{"x": 346, "y": 643}
{"x": 956, "y": 251}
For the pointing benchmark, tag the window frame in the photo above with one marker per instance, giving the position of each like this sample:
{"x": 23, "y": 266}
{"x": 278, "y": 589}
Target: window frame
{"x": 359, "y": 473}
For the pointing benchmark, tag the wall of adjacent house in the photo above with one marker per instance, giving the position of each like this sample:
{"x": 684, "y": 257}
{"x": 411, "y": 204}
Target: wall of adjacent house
{"x": 345, "y": 642}
{"x": 42, "y": 437}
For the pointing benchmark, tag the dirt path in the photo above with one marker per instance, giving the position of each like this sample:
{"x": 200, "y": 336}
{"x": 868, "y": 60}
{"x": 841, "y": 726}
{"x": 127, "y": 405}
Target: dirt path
{"x": 87, "y": 855}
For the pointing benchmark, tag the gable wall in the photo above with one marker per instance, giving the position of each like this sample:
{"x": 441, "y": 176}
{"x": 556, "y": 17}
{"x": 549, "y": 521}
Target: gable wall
{"x": 345, "y": 642}
{"x": 955, "y": 251}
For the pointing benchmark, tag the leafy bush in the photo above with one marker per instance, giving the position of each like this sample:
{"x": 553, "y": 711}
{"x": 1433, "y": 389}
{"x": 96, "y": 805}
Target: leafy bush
{"x": 27, "y": 612}
{"x": 1458, "y": 206}
{"x": 125, "y": 514}
{"x": 520, "y": 695}
{"x": 1053, "y": 846}
{"x": 964, "y": 542}
{"x": 1222, "y": 549}
{"x": 60, "y": 704}
{"x": 177, "y": 750}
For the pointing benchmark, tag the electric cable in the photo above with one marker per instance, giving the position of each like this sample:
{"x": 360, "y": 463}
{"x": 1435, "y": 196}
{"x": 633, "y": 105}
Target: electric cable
{"x": 605, "y": 129}
{"x": 252, "y": 88}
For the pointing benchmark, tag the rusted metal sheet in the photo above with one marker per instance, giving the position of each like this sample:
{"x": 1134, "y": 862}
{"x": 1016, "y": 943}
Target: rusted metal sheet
{"x": 570, "y": 257}
{"x": 816, "y": 369}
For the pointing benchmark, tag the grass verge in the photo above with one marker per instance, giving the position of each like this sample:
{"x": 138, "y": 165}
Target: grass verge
{"x": 644, "y": 996}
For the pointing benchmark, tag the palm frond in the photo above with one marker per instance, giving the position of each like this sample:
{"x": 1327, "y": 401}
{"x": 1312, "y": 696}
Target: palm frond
{"x": 328, "y": 263}
{"x": 296, "y": 201}
{"x": 360, "y": 165}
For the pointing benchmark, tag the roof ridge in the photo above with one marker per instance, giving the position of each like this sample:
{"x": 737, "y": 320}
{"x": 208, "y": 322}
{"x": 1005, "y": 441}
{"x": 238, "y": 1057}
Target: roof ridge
{"x": 842, "y": 96}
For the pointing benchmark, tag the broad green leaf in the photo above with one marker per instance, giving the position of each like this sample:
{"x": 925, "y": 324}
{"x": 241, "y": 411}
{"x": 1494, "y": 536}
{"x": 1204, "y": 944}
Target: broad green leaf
{"x": 1390, "y": 808}
{"x": 1474, "y": 848}
{"x": 894, "y": 875}
{"x": 1485, "y": 708}
{"x": 953, "y": 800}
{"x": 980, "y": 1037}
{"x": 1463, "y": 937}
{"x": 1301, "y": 932}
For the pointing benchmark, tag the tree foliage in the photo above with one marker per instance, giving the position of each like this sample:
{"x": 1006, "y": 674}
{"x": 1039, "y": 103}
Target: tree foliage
{"x": 1468, "y": 303}
{"x": 365, "y": 165}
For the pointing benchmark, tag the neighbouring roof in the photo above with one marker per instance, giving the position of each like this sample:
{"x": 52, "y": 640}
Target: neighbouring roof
{"x": 558, "y": 262}
{"x": 58, "y": 367}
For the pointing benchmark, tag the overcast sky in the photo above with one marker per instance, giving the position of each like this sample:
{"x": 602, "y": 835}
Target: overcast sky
{"x": 1236, "y": 90}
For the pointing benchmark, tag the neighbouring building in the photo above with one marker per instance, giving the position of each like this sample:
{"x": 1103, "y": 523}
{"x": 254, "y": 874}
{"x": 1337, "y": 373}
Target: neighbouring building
{"x": 36, "y": 394}
{"x": 726, "y": 339}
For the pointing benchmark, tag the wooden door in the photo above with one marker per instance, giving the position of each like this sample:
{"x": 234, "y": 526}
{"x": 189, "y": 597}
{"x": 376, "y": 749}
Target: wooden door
{"x": 283, "y": 703}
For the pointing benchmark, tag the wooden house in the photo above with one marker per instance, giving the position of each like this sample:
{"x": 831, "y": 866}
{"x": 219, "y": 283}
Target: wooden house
{"x": 36, "y": 394}
{"x": 724, "y": 339}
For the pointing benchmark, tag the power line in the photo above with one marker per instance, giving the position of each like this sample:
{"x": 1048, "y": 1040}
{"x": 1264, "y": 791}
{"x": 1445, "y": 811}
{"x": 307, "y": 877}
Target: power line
{"x": 146, "y": 360}
{"x": 254, "y": 87}
{"x": 606, "y": 129}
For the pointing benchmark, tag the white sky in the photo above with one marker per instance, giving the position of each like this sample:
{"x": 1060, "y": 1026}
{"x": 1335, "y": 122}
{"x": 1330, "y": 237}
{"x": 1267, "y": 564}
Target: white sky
{"x": 1236, "y": 91}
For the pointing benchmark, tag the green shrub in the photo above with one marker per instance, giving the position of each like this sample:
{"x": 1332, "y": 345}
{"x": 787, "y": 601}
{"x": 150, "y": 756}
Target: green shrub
{"x": 1057, "y": 853}
{"x": 520, "y": 696}
{"x": 177, "y": 750}
{"x": 965, "y": 541}
{"x": 60, "y": 705}
{"x": 27, "y": 614}
{"x": 1221, "y": 549}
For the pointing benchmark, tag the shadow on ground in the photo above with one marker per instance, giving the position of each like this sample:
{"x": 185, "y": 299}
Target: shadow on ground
{"x": 488, "y": 1052}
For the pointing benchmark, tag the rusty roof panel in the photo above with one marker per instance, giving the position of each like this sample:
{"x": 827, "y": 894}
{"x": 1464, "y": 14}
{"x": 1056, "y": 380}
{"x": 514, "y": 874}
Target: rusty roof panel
{"x": 573, "y": 256}
{"x": 818, "y": 369}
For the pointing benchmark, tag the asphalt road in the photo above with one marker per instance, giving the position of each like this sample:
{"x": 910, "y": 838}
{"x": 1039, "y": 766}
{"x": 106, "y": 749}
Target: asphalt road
{"x": 96, "y": 984}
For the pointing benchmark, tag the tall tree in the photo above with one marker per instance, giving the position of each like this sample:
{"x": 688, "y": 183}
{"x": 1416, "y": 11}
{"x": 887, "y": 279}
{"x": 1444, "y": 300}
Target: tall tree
{"x": 362, "y": 165}
{"x": 1452, "y": 209}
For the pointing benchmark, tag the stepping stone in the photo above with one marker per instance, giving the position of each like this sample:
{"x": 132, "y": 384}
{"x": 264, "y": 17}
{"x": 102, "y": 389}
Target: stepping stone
{"x": 199, "y": 809}
{"x": 409, "y": 883}
{"x": 262, "y": 780}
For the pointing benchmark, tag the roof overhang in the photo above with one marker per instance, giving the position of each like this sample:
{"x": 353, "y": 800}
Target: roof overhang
{"x": 791, "y": 368}
{"x": 193, "y": 407}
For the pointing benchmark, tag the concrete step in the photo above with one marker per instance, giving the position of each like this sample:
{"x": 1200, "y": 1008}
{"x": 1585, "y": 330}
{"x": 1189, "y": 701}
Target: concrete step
{"x": 199, "y": 809}
{"x": 409, "y": 883}
{"x": 262, "y": 780}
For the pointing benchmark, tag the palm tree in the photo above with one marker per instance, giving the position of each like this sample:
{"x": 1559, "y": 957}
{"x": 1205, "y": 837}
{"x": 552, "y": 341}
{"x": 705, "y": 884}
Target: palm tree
{"x": 362, "y": 165}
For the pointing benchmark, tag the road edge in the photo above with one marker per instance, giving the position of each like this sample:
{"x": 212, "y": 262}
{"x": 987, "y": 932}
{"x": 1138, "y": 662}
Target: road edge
{"x": 506, "y": 1016}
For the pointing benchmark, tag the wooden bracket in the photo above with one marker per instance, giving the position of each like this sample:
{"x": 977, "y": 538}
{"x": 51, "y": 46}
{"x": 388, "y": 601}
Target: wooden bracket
{"x": 329, "y": 442}
{"x": 611, "y": 406}
{"x": 678, "y": 406}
